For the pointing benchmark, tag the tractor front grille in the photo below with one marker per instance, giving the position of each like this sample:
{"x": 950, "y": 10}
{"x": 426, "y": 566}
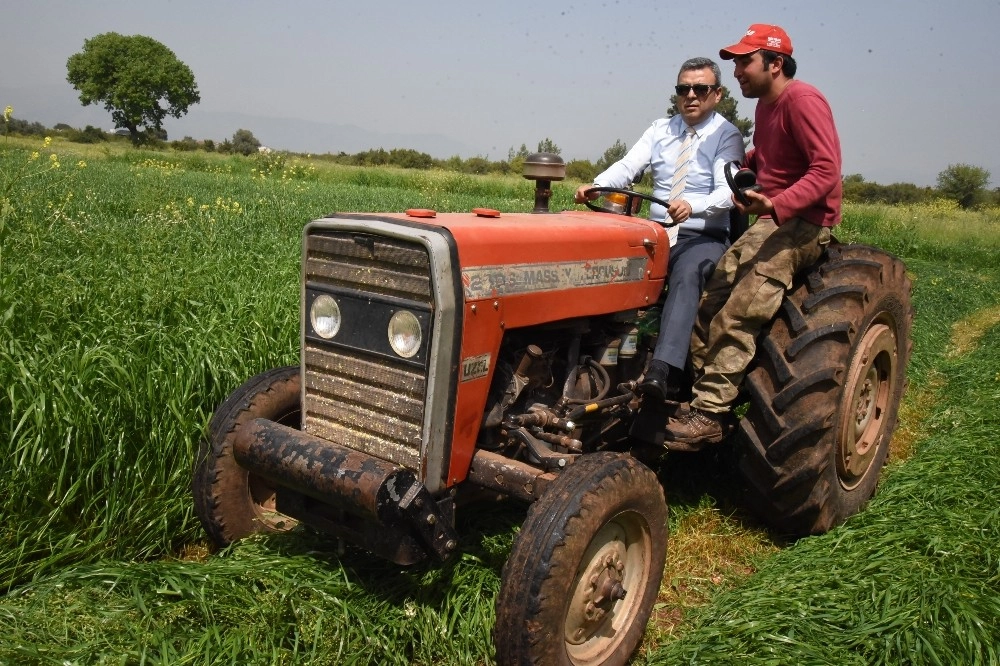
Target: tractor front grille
{"x": 359, "y": 399}
{"x": 369, "y": 264}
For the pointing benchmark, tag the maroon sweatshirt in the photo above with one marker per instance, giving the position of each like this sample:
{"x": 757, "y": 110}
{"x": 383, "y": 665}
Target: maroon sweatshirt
{"x": 796, "y": 154}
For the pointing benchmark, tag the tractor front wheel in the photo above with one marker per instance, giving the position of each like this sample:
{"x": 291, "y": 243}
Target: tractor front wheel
{"x": 585, "y": 569}
{"x": 230, "y": 501}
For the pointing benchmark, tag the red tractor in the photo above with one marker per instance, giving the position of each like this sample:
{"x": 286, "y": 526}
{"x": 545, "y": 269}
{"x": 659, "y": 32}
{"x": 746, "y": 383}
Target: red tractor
{"x": 448, "y": 354}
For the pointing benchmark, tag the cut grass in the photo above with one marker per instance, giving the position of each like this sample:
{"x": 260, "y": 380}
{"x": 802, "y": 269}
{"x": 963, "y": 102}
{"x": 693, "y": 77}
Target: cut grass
{"x": 708, "y": 551}
{"x": 914, "y": 412}
{"x": 967, "y": 332}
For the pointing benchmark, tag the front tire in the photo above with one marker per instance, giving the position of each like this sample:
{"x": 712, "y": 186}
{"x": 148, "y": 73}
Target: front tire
{"x": 585, "y": 569}
{"x": 824, "y": 392}
{"x": 231, "y": 502}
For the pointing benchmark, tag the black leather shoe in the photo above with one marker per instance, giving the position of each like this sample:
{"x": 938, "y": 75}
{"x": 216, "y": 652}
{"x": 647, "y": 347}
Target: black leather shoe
{"x": 656, "y": 382}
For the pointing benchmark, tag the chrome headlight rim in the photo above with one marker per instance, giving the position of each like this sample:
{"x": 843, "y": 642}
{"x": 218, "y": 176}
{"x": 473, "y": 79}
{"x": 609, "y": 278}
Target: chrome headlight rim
{"x": 405, "y": 333}
{"x": 325, "y": 316}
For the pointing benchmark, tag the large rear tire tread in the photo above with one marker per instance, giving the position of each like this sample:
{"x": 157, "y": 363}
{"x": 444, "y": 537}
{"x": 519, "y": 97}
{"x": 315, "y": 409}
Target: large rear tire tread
{"x": 230, "y": 502}
{"x": 606, "y": 513}
{"x": 824, "y": 391}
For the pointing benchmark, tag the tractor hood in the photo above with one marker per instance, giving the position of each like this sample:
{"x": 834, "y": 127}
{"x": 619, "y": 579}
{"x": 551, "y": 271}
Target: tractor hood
{"x": 573, "y": 262}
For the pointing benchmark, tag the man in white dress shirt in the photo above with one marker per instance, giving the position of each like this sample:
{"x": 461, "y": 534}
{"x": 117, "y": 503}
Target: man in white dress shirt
{"x": 700, "y": 201}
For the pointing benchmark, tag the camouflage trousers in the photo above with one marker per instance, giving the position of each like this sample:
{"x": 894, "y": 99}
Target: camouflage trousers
{"x": 740, "y": 298}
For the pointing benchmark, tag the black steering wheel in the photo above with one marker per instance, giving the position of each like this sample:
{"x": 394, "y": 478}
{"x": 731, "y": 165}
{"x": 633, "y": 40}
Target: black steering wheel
{"x": 630, "y": 197}
{"x": 740, "y": 180}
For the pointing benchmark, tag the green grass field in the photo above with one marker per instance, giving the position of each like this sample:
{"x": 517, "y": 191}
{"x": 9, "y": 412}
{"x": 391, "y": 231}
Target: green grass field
{"x": 137, "y": 289}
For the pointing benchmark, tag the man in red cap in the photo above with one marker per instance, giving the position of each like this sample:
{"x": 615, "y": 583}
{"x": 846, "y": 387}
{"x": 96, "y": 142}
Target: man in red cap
{"x": 796, "y": 155}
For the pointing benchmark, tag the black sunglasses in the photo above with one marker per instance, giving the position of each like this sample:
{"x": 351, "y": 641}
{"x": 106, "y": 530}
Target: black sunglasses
{"x": 700, "y": 89}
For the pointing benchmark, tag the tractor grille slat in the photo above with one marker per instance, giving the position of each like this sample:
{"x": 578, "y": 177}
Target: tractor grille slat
{"x": 361, "y": 400}
{"x": 368, "y": 385}
{"x": 382, "y": 266}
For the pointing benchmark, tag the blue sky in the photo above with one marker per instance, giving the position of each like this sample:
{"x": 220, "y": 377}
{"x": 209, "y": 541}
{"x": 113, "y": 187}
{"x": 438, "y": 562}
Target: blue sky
{"x": 913, "y": 84}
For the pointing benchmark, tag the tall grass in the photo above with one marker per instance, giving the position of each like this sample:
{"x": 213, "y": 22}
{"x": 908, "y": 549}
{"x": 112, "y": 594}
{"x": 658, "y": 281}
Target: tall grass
{"x": 140, "y": 288}
{"x": 939, "y": 231}
{"x": 136, "y": 293}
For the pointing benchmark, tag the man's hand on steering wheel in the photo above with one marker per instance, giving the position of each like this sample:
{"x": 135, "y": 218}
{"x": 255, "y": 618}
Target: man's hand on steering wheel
{"x": 585, "y": 193}
{"x": 679, "y": 210}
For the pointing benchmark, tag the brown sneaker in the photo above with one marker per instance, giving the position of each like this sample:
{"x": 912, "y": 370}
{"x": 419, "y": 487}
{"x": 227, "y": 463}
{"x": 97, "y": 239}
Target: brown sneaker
{"x": 693, "y": 429}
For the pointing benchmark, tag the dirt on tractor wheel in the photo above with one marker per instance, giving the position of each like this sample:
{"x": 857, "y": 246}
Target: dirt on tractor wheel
{"x": 585, "y": 569}
{"x": 825, "y": 390}
{"x": 231, "y": 502}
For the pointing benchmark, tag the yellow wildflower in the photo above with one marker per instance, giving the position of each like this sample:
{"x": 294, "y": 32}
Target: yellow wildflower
{"x": 81, "y": 164}
{"x": 47, "y": 142}
{"x": 7, "y": 113}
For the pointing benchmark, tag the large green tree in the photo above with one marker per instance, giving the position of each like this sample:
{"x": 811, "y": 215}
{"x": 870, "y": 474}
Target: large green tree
{"x": 964, "y": 183}
{"x": 138, "y": 79}
{"x": 611, "y": 155}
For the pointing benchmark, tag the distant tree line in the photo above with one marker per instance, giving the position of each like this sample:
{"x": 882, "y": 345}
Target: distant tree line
{"x": 963, "y": 183}
{"x": 141, "y": 81}
{"x": 859, "y": 190}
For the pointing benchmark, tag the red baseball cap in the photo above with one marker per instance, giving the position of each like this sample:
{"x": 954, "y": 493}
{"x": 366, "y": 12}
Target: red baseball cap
{"x": 759, "y": 36}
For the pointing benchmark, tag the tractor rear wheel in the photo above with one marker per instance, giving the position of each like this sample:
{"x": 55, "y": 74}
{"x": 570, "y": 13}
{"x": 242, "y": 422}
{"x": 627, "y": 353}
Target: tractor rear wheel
{"x": 824, "y": 391}
{"x": 585, "y": 569}
{"x": 231, "y": 502}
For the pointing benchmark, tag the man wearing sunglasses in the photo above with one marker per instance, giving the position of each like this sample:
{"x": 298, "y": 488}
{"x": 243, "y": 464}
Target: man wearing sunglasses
{"x": 796, "y": 155}
{"x": 687, "y": 155}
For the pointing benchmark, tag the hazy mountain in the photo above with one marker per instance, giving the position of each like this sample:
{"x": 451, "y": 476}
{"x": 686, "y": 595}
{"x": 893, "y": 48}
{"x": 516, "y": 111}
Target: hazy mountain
{"x": 50, "y": 105}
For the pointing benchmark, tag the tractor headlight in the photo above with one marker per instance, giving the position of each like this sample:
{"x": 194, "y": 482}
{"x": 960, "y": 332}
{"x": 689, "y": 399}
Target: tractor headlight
{"x": 324, "y": 314}
{"x": 614, "y": 202}
{"x": 404, "y": 333}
